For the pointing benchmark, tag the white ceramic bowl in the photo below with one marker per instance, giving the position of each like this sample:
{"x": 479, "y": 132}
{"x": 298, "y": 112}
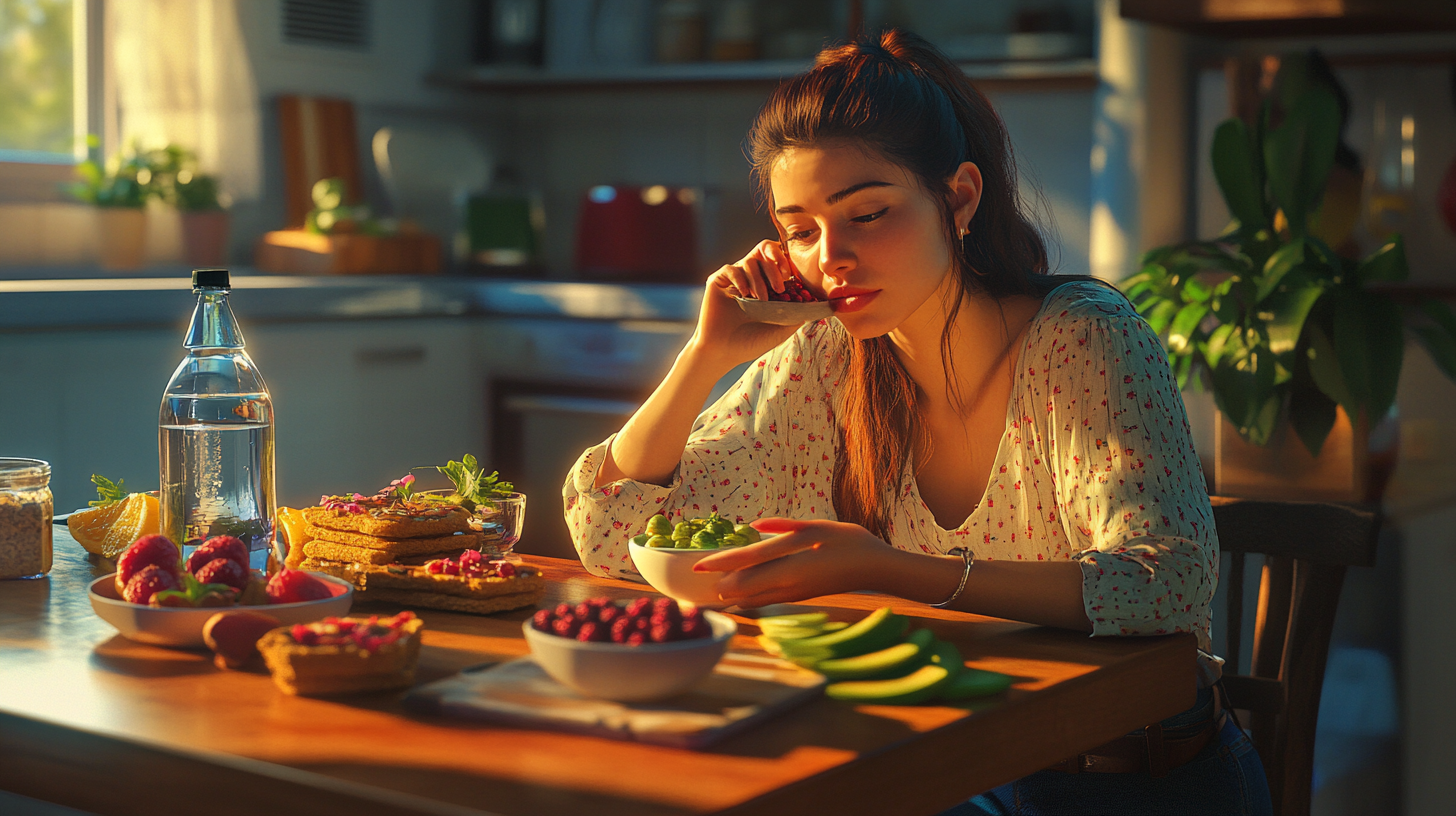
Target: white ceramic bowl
{"x": 784, "y": 313}
{"x": 670, "y": 571}
{"x": 616, "y": 671}
{"x": 173, "y": 626}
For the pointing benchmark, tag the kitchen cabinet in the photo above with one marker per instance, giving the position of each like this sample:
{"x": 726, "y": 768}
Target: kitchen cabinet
{"x": 1263, "y": 18}
{"x": 357, "y": 402}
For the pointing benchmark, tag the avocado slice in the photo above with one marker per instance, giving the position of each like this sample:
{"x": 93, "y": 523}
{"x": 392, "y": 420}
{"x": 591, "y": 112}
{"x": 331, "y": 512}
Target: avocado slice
{"x": 975, "y": 683}
{"x": 915, "y": 687}
{"x": 875, "y": 631}
{"x": 892, "y": 661}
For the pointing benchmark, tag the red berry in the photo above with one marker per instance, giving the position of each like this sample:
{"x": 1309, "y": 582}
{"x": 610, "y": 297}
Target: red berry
{"x": 435, "y": 567}
{"x": 471, "y": 557}
{"x": 567, "y": 626}
{"x": 641, "y": 624}
{"x": 585, "y": 611}
{"x": 223, "y": 571}
{"x": 663, "y": 632}
{"x": 563, "y": 609}
{"x": 592, "y": 632}
{"x": 636, "y": 639}
{"x": 621, "y": 628}
{"x": 150, "y": 580}
{"x": 505, "y": 569}
{"x": 638, "y": 605}
{"x": 144, "y": 552}
{"x": 229, "y": 547}
{"x": 542, "y": 620}
{"x": 294, "y": 586}
{"x": 609, "y": 614}
{"x": 692, "y": 629}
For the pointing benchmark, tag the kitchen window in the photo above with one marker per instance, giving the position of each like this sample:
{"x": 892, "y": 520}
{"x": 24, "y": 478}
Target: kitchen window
{"x": 50, "y": 93}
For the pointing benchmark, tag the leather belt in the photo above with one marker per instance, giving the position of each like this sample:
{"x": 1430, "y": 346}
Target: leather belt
{"x": 1154, "y": 752}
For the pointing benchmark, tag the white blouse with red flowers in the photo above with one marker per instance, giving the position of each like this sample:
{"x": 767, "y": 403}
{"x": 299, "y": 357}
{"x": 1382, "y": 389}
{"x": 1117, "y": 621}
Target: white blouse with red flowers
{"x": 1097, "y": 465}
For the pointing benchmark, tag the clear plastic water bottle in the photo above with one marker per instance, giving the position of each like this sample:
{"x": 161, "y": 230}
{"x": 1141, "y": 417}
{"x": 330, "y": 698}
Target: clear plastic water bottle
{"x": 215, "y": 436}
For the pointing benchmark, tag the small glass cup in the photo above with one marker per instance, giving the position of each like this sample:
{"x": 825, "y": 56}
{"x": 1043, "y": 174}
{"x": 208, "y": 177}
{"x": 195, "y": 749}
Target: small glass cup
{"x": 501, "y": 520}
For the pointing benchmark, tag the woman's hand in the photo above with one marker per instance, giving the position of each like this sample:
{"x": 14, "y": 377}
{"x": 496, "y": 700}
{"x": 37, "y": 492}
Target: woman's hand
{"x": 809, "y": 559}
{"x": 725, "y": 335}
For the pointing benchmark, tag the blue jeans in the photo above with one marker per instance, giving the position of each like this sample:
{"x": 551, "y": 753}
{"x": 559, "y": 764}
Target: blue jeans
{"x": 1225, "y": 778}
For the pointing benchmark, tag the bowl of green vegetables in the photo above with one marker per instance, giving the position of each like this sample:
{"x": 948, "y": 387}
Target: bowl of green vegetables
{"x": 665, "y": 554}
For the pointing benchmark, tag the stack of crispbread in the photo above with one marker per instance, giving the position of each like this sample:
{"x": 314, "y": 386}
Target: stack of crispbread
{"x": 492, "y": 586}
{"x": 340, "y": 542}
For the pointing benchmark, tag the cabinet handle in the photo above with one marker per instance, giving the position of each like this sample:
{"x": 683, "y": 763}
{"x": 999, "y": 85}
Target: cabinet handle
{"x": 404, "y": 355}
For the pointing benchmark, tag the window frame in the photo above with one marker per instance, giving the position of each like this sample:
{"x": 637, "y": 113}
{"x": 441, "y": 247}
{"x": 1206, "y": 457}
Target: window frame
{"x": 40, "y": 181}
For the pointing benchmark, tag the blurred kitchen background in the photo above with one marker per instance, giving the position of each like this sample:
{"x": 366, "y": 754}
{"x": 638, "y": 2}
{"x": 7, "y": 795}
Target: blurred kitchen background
{"x": 521, "y": 198}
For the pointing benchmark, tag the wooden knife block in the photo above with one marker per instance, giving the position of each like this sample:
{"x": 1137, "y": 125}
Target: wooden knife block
{"x": 299, "y": 252}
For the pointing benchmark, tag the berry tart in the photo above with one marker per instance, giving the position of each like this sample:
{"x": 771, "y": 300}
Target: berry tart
{"x": 344, "y": 655}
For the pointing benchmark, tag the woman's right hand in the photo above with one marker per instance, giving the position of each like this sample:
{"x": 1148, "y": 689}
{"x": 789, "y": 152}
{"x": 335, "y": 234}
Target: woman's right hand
{"x": 725, "y": 335}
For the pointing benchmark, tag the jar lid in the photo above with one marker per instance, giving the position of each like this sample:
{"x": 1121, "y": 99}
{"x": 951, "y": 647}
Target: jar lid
{"x": 24, "y": 472}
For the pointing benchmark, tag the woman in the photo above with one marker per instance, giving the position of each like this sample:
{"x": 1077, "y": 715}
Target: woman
{"x": 961, "y": 402}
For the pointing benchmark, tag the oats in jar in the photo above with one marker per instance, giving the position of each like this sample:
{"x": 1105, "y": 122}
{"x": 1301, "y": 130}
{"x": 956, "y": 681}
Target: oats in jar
{"x": 25, "y": 518}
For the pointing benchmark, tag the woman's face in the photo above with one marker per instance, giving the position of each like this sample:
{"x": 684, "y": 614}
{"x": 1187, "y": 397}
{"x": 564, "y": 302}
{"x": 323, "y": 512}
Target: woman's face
{"x": 862, "y": 233}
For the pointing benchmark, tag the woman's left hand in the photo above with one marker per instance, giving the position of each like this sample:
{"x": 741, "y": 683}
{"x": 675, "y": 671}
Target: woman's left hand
{"x": 808, "y": 559}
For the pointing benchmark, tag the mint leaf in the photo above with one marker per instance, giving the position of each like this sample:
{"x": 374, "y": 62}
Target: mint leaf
{"x": 107, "y": 491}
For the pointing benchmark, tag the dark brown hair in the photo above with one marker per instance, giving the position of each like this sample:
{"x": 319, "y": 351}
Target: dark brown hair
{"x": 897, "y": 96}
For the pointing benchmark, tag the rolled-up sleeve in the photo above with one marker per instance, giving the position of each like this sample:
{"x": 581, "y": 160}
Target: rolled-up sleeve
{"x": 762, "y": 449}
{"x": 1128, "y": 482}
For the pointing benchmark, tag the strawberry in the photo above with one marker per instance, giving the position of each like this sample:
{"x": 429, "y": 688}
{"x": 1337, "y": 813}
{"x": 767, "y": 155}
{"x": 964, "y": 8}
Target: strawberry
{"x": 294, "y": 586}
{"x": 222, "y": 571}
{"x": 229, "y": 547}
{"x": 149, "y": 550}
{"x": 147, "y": 582}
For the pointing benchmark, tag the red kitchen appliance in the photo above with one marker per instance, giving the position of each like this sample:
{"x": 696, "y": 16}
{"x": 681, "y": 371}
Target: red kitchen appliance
{"x": 638, "y": 233}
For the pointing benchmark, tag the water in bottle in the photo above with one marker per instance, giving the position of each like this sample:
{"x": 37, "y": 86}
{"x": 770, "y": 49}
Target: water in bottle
{"x": 215, "y": 436}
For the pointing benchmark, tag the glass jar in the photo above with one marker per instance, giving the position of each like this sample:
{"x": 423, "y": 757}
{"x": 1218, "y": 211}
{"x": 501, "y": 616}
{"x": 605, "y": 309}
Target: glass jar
{"x": 25, "y": 518}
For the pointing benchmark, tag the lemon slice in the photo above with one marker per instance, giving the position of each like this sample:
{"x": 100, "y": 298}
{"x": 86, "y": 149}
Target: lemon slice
{"x": 109, "y": 530}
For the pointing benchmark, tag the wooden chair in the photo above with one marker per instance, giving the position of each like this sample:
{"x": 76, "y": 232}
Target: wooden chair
{"x": 1306, "y": 548}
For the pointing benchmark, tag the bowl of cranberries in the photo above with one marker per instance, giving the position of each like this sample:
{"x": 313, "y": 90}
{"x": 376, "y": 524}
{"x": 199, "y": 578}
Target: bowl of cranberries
{"x": 795, "y": 305}
{"x": 155, "y": 596}
{"x": 643, "y": 649}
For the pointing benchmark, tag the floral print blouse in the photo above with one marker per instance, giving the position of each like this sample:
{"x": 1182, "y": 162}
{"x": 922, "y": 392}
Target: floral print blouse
{"x": 1097, "y": 465}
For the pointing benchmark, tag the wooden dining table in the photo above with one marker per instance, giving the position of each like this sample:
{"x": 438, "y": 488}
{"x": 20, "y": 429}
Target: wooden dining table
{"x": 91, "y": 720}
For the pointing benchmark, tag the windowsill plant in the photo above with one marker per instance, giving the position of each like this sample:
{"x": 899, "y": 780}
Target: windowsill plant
{"x": 1268, "y": 317}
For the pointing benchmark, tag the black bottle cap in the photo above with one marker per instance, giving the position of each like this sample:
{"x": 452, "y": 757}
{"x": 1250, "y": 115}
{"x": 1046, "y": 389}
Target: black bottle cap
{"x": 210, "y": 279}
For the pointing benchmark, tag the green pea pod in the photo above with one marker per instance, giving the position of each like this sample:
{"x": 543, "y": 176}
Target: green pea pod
{"x": 660, "y": 541}
{"x": 641, "y": 540}
{"x": 748, "y": 533}
{"x": 705, "y": 540}
{"x": 659, "y": 525}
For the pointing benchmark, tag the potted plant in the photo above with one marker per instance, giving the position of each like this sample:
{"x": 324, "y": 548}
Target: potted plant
{"x": 119, "y": 191}
{"x": 199, "y": 201}
{"x": 1293, "y": 340}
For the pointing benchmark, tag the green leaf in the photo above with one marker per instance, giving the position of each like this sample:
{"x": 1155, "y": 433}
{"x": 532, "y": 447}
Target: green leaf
{"x": 1311, "y": 413}
{"x": 1385, "y": 329}
{"x": 1441, "y": 346}
{"x": 1324, "y": 369}
{"x": 1289, "y": 307}
{"x": 1160, "y": 314}
{"x": 1299, "y": 153}
{"x": 1352, "y": 349}
{"x": 1217, "y": 341}
{"x": 107, "y": 491}
{"x": 1385, "y": 264}
{"x": 1196, "y": 291}
{"x": 1234, "y": 168}
{"x": 1184, "y": 325}
{"x": 1287, "y": 257}
{"x": 1261, "y": 425}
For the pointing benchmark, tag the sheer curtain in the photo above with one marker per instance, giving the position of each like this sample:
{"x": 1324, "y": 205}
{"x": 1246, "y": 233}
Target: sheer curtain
{"x": 180, "y": 74}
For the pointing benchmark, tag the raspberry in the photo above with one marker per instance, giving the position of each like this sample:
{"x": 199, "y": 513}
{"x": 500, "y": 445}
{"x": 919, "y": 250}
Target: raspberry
{"x": 566, "y": 626}
{"x": 621, "y": 628}
{"x": 228, "y": 547}
{"x": 695, "y": 628}
{"x": 592, "y": 632}
{"x": 664, "y": 604}
{"x": 609, "y": 614}
{"x": 294, "y": 586}
{"x": 450, "y": 568}
{"x": 542, "y": 620}
{"x": 563, "y": 609}
{"x": 641, "y": 624}
{"x": 150, "y": 580}
{"x": 601, "y": 603}
{"x": 223, "y": 571}
{"x": 144, "y": 552}
{"x": 505, "y": 569}
{"x": 637, "y": 605}
{"x": 471, "y": 557}
{"x": 636, "y": 639}
{"x": 435, "y": 567}
{"x": 585, "y": 611}
{"x": 663, "y": 632}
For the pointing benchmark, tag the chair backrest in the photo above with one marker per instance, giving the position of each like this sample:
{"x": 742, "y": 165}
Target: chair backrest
{"x": 1306, "y": 547}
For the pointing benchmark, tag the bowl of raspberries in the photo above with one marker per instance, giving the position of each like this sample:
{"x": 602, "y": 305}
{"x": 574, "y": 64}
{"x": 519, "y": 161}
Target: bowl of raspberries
{"x": 795, "y": 305}
{"x": 642, "y": 649}
{"x": 155, "y": 596}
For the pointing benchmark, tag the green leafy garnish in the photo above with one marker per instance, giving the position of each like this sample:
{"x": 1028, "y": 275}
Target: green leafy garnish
{"x": 193, "y": 590}
{"x": 107, "y": 491}
{"x": 472, "y": 486}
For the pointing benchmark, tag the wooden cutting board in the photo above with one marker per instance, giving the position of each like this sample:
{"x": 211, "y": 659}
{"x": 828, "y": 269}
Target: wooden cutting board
{"x": 742, "y": 690}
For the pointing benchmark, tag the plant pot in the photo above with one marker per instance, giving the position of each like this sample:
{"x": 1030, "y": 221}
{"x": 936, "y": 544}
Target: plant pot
{"x": 1347, "y": 469}
{"x": 123, "y": 232}
{"x": 205, "y": 237}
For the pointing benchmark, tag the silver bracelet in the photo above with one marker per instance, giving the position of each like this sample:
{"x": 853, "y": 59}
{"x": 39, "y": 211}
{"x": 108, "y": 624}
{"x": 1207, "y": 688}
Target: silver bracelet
{"x": 964, "y": 553}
